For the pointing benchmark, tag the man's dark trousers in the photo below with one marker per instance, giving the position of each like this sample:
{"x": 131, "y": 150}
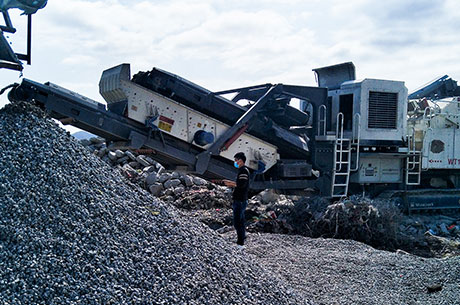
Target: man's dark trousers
{"x": 239, "y": 208}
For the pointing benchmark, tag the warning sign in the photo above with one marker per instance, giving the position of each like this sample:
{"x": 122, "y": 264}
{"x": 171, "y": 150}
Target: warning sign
{"x": 165, "y": 123}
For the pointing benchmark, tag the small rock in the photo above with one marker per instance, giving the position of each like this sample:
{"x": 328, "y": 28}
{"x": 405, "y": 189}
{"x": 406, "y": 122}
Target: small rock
{"x": 130, "y": 155}
{"x": 164, "y": 177}
{"x": 187, "y": 180}
{"x": 172, "y": 183}
{"x": 434, "y": 288}
{"x": 178, "y": 190}
{"x": 85, "y": 142}
{"x": 151, "y": 178}
{"x": 149, "y": 160}
{"x": 156, "y": 189}
{"x": 119, "y": 153}
{"x": 112, "y": 155}
{"x": 269, "y": 196}
{"x": 142, "y": 160}
{"x": 96, "y": 140}
{"x": 134, "y": 164}
{"x": 149, "y": 169}
{"x": 199, "y": 181}
{"x": 443, "y": 228}
{"x": 175, "y": 175}
{"x": 123, "y": 160}
{"x": 129, "y": 171}
{"x": 102, "y": 152}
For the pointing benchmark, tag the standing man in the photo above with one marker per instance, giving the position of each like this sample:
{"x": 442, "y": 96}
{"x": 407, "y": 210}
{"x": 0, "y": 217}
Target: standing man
{"x": 240, "y": 197}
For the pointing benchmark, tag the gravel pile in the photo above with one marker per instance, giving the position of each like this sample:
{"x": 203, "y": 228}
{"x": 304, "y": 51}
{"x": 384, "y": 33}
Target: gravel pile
{"x": 74, "y": 231}
{"x": 330, "y": 271}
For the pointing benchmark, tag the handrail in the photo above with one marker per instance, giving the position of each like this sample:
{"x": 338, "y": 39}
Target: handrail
{"x": 357, "y": 131}
{"x": 322, "y": 121}
{"x": 339, "y": 139}
{"x": 412, "y": 151}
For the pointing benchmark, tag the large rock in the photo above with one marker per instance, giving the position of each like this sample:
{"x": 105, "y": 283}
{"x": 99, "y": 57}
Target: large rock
{"x": 164, "y": 177}
{"x": 151, "y": 178}
{"x": 96, "y": 140}
{"x": 172, "y": 183}
{"x": 129, "y": 171}
{"x": 199, "y": 181}
{"x": 142, "y": 160}
{"x": 179, "y": 190}
{"x": 101, "y": 153}
{"x": 119, "y": 153}
{"x": 123, "y": 160}
{"x": 158, "y": 166}
{"x": 149, "y": 169}
{"x": 134, "y": 164}
{"x": 155, "y": 189}
{"x": 269, "y": 196}
{"x": 149, "y": 160}
{"x": 112, "y": 155}
{"x": 187, "y": 180}
{"x": 130, "y": 155}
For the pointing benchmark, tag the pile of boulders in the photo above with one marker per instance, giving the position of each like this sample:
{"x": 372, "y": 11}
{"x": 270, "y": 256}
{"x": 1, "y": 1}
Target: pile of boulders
{"x": 184, "y": 190}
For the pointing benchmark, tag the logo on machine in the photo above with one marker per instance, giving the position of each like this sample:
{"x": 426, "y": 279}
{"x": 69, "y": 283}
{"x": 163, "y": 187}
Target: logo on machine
{"x": 453, "y": 161}
{"x": 165, "y": 123}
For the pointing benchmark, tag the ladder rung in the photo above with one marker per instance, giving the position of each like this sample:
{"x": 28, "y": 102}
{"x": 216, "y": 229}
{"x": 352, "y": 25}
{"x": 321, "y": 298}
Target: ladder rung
{"x": 341, "y": 185}
{"x": 341, "y": 174}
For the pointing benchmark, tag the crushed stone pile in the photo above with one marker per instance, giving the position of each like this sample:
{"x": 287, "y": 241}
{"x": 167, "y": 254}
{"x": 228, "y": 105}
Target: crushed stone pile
{"x": 74, "y": 231}
{"x": 331, "y": 271}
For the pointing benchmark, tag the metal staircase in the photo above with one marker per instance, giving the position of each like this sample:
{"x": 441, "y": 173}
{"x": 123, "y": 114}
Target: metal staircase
{"x": 342, "y": 161}
{"x": 413, "y": 162}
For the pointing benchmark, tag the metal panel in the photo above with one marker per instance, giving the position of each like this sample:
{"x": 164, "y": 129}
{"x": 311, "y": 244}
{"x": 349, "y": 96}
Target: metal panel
{"x": 183, "y": 122}
{"x": 8, "y": 59}
{"x": 378, "y": 169}
{"x": 333, "y": 76}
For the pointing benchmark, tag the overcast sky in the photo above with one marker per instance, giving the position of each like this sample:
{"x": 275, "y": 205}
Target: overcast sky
{"x": 228, "y": 44}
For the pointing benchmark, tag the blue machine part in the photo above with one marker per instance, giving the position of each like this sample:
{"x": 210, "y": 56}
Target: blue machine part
{"x": 260, "y": 167}
{"x": 203, "y": 138}
{"x": 150, "y": 122}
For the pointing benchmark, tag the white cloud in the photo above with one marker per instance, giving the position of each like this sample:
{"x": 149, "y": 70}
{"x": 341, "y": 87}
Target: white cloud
{"x": 222, "y": 44}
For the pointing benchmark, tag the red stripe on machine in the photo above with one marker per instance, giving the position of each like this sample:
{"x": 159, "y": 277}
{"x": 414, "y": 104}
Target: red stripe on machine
{"x": 166, "y": 120}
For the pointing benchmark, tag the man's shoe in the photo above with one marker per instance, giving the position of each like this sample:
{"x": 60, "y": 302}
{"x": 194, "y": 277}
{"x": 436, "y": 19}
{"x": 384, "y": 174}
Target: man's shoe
{"x": 240, "y": 247}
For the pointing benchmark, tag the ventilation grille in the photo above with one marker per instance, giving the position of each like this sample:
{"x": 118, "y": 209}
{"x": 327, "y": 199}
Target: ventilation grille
{"x": 383, "y": 110}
